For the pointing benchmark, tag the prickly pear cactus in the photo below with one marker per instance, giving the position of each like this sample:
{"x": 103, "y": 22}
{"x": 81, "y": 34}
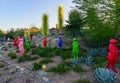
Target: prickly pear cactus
{"x": 104, "y": 75}
{"x": 89, "y": 60}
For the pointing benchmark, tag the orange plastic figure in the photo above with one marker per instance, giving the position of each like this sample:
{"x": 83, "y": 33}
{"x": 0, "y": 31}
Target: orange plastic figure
{"x": 112, "y": 55}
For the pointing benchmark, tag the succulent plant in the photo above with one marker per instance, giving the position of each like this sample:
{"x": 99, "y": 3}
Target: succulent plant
{"x": 75, "y": 61}
{"x": 102, "y": 51}
{"x": 81, "y": 59}
{"x": 93, "y": 52}
{"x": 104, "y": 75}
{"x": 89, "y": 60}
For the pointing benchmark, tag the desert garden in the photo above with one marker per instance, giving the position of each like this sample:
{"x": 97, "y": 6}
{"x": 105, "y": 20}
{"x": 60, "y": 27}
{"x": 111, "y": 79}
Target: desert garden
{"x": 48, "y": 56}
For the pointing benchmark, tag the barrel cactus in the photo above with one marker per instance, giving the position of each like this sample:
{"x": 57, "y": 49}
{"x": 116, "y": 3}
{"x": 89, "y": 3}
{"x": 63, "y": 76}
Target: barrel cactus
{"x": 104, "y": 75}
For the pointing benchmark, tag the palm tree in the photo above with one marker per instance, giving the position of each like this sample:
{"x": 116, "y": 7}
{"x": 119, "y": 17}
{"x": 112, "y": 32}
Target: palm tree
{"x": 74, "y": 23}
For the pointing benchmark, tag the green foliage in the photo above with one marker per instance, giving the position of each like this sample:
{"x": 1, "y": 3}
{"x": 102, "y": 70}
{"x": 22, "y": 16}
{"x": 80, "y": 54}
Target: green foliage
{"x": 45, "y": 24}
{"x": 75, "y": 23}
{"x": 61, "y": 68}
{"x": 78, "y": 68}
{"x": 1, "y": 33}
{"x": 27, "y": 57}
{"x": 45, "y": 52}
{"x": 36, "y": 66}
{"x": 82, "y": 81}
{"x": 98, "y": 33}
{"x": 46, "y": 60}
{"x": 12, "y": 55}
{"x": 60, "y": 16}
{"x": 100, "y": 62}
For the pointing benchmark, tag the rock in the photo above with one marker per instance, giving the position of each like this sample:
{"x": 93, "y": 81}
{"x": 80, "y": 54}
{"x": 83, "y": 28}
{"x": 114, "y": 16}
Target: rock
{"x": 12, "y": 71}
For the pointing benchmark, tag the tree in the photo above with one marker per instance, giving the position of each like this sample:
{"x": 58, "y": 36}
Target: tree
{"x": 74, "y": 23}
{"x": 60, "y": 16}
{"x": 1, "y": 33}
{"x": 45, "y": 24}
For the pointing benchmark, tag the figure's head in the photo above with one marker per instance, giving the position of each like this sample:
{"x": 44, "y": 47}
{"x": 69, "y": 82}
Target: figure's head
{"x": 113, "y": 41}
{"x": 75, "y": 39}
{"x": 45, "y": 37}
{"x": 60, "y": 37}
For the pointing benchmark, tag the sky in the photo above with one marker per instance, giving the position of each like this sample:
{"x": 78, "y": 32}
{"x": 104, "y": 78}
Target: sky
{"x": 26, "y": 13}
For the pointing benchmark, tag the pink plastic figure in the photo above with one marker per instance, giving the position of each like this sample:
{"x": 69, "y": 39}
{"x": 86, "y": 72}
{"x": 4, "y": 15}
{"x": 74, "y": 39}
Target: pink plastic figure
{"x": 21, "y": 46}
{"x": 112, "y": 55}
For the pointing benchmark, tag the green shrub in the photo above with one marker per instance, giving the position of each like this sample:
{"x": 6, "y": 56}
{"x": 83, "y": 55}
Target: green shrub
{"x": 45, "y": 61}
{"x": 61, "y": 68}
{"x": 36, "y": 66}
{"x": 65, "y": 55}
{"x": 78, "y": 68}
{"x": 100, "y": 62}
{"x": 12, "y": 55}
{"x": 21, "y": 59}
{"x": 27, "y": 57}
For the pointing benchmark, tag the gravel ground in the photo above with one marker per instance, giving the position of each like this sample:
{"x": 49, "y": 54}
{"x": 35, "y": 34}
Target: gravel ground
{"x": 70, "y": 77}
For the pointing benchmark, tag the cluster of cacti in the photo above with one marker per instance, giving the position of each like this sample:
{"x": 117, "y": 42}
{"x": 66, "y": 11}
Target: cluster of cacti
{"x": 102, "y": 51}
{"x": 89, "y": 60}
{"x": 45, "y": 24}
{"x": 60, "y": 16}
{"x": 104, "y": 75}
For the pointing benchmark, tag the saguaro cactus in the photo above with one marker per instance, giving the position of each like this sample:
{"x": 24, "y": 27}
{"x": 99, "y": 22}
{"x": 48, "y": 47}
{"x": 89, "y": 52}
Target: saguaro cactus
{"x": 45, "y": 24}
{"x": 60, "y": 16}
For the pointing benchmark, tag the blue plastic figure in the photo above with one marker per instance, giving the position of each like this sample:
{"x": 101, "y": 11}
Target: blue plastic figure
{"x": 60, "y": 42}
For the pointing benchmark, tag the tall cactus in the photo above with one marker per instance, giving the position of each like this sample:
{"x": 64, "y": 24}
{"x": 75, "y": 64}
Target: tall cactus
{"x": 60, "y": 16}
{"x": 45, "y": 24}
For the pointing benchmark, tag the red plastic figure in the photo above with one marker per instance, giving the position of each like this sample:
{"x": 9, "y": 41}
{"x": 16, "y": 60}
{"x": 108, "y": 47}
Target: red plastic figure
{"x": 15, "y": 41}
{"x": 45, "y": 42}
{"x": 112, "y": 55}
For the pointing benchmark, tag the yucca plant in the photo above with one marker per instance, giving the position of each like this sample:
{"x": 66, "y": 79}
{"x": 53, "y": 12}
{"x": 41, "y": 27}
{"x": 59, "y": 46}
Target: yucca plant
{"x": 45, "y": 24}
{"x": 60, "y": 16}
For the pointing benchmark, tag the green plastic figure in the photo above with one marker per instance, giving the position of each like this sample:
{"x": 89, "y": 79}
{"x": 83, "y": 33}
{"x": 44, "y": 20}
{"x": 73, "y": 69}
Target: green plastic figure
{"x": 75, "y": 49}
{"x": 27, "y": 34}
{"x": 27, "y": 44}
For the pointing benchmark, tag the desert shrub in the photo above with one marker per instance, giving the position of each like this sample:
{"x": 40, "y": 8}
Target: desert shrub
{"x": 27, "y": 57}
{"x": 78, "y": 68}
{"x": 100, "y": 62}
{"x": 12, "y": 55}
{"x": 61, "y": 68}
{"x": 36, "y": 66}
{"x": 46, "y": 60}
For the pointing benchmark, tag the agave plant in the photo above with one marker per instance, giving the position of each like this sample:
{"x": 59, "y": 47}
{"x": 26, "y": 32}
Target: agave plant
{"x": 93, "y": 52}
{"x": 89, "y": 60}
{"x": 81, "y": 59}
{"x": 104, "y": 75}
{"x": 102, "y": 51}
